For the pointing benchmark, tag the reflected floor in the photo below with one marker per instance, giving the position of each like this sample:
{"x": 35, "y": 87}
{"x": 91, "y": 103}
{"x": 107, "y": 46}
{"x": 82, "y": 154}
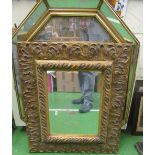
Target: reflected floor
{"x": 65, "y": 116}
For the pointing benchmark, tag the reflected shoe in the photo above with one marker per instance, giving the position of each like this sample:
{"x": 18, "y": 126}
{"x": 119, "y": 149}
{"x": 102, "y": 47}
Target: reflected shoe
{"x": 78, "y": 101}
{"x": 85, "y": 107}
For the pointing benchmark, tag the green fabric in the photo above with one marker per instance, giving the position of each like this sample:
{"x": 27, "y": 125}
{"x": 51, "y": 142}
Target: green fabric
{"x": 115, "y": 22}
{"x": 73, "y": 3}
{"x": 20, "y": 145}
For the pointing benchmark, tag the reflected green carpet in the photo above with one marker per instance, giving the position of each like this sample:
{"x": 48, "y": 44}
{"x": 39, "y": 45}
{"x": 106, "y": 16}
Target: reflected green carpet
{"x": 74, "y": 123}
{"x": 70, "y": 121}
{"x": 63, "y": 100}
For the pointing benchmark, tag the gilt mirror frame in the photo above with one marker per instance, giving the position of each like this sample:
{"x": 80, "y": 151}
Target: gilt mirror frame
{"x": 112, "y": 59}
{"x": 101, "y": 11}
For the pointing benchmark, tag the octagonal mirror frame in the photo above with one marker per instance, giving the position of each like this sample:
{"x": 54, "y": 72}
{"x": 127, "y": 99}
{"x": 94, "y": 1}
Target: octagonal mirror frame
{"x": 104, "y": 22}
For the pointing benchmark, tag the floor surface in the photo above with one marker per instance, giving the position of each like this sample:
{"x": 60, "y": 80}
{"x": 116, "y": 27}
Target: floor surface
{"x": 20, "y": 145}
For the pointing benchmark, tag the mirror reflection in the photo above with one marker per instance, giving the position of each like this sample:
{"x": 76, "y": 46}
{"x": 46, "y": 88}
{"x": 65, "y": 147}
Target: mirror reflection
{"x": 73, "y": 29}
{"x": 73, "y": 99}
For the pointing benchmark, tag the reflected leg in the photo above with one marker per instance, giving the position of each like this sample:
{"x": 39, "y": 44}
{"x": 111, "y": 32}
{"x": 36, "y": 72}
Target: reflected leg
{"x": 87, "y": 84}
{"x": 81, "y": 83}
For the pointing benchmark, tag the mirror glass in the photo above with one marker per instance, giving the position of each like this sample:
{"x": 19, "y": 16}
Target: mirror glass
{"x": 73, "y": 101}
{"x": 113, "y": 19}
{"x": 30, "y": 21}
{"x": 73, "y": 29}
{"x": 74, "y": 3}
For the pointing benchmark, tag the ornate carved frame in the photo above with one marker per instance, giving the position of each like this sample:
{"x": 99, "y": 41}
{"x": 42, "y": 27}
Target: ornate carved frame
{"x": 112, "y": 59}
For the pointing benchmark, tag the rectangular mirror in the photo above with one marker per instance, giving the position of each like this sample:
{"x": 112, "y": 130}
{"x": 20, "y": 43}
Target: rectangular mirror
{"x": 53, "y": 75}
{"x": 74, "y": 102}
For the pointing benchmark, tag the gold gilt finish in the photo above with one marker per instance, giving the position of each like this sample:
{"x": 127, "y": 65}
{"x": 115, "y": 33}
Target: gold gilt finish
{"x": 63, "y": 10}
{"x": 46, "y": 3}
{"x": 29, "y": 14}
{"x": 104, "y": 22}
{"x": 134, "y": 58}
{"x": 122, "y": 22}
{"x": 112, "y": 59}
{"x": 76, "y": 12}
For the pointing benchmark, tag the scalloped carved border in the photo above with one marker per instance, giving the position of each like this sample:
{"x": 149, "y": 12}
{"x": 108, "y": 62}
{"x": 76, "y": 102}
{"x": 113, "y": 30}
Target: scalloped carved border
{"x": 44, "y": 65}
{"x": 31, "y": 57}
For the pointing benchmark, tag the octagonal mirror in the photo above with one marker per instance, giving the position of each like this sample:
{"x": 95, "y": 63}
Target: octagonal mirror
{"x": 76, "y": 63}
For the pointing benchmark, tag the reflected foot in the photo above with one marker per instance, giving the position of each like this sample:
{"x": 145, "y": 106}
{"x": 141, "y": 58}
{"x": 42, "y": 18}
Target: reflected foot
{"x": 78, "y": 101}
{"x": 86, "y": 107}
